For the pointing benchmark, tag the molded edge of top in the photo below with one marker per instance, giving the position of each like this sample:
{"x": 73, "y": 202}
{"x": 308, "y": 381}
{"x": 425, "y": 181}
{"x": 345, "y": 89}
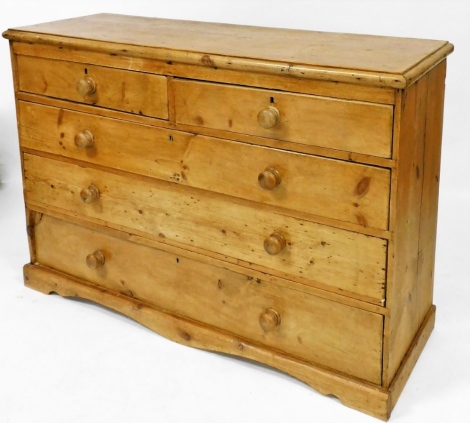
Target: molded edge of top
{"x": 220, "y": 61}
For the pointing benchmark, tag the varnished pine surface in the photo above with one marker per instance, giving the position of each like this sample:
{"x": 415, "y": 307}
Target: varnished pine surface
{"x": 365, "y": 59}
{"x": 316, "y": 254}
{"x": 405, "y": 251}
{"x": 362, "y": 396}
{"x": 342, "y": 125}
{"x": 118, "y": 89}
{"x": 323, "y": 187}
{"x": 317, "y": 330}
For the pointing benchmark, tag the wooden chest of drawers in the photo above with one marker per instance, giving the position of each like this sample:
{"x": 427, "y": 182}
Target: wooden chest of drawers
{"x": 266, "y": 193}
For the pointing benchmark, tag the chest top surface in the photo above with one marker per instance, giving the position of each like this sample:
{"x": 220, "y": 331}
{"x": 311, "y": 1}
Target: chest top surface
{"x": 354, "y": 58}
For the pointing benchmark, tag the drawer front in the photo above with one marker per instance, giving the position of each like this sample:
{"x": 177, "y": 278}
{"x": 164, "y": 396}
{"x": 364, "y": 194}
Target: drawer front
{"x": 328, "y": 257}
{"x": 338, "y": 124}
{"x": 324, "y": 187}
{"x": 134, "y": 92}
{"x": 332, "y": 334}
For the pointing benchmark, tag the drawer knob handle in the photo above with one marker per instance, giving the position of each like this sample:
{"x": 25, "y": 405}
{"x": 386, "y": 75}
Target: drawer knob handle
{"x": 269, "y": 320}
{"x": 86, "y": 86}
{"x": 90, "y": 194}
{"x": 269, "y": 117}
{"x": 269, "y": 179}
{"x": 95, "y": 260}
{"x": 274, "y": 243}
{"x": 84, "y": 139}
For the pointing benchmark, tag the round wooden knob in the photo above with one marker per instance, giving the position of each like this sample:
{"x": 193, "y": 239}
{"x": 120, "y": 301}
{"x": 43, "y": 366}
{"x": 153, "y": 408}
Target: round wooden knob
{"x": 95, "y": 260}
{"x": 269, "y": 319}
{"x": 90, "y": 194}
{"x": 86, "y": 86}
{"x": 269, "y": 179}
{"x": 84, "y": 139}
{"x": 274, "y": 243}
{"x": 269, "y": 117}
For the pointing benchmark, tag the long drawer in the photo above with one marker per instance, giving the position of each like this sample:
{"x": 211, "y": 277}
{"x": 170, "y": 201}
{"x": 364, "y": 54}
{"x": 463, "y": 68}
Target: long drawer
{"x": 327, "y": 257}
{"x": 332, "y": 334}
{"x": 338, "y": 124}
{"x": 320, "y": 186}
{"x": 129, "y": 91}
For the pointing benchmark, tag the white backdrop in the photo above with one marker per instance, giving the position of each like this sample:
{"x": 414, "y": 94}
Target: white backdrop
{"x": 71, "y": 361}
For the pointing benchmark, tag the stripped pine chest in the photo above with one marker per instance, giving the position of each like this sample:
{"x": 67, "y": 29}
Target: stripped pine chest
{"x": 267, "y": 193}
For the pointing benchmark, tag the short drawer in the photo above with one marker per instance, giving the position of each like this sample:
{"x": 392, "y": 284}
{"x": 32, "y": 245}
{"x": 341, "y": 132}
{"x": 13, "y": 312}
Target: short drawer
{"x": 338, "y": 336}
{"x": 324, "y": 187}
{"x": 331, "y": 258}
{"x": 325, "y": 122}
{"x": 133, "y": 92}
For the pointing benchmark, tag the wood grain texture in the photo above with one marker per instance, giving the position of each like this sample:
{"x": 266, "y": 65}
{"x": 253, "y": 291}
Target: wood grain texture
{"x": 320, "y": 331}
{"x": 406, "y": 232}
{"x": 362, "y": 59}
{"x": 323, "y": 187}
{"x": 382, "y": 95}
{"x": 343, "y": 125}
{"x": 214, "y": 133}
{"x": 143, "y": 239}
{"x": 430, "y": 196}
{"x": 362, "y": 396}
{"x": 265, "y": 193}
{"x": 333, "y": 258}
{"x": 133, "y": 92}
{"x": 409, "y": 294}
{"x": 323, "y": 220}
{"x": 411, "y": 357}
